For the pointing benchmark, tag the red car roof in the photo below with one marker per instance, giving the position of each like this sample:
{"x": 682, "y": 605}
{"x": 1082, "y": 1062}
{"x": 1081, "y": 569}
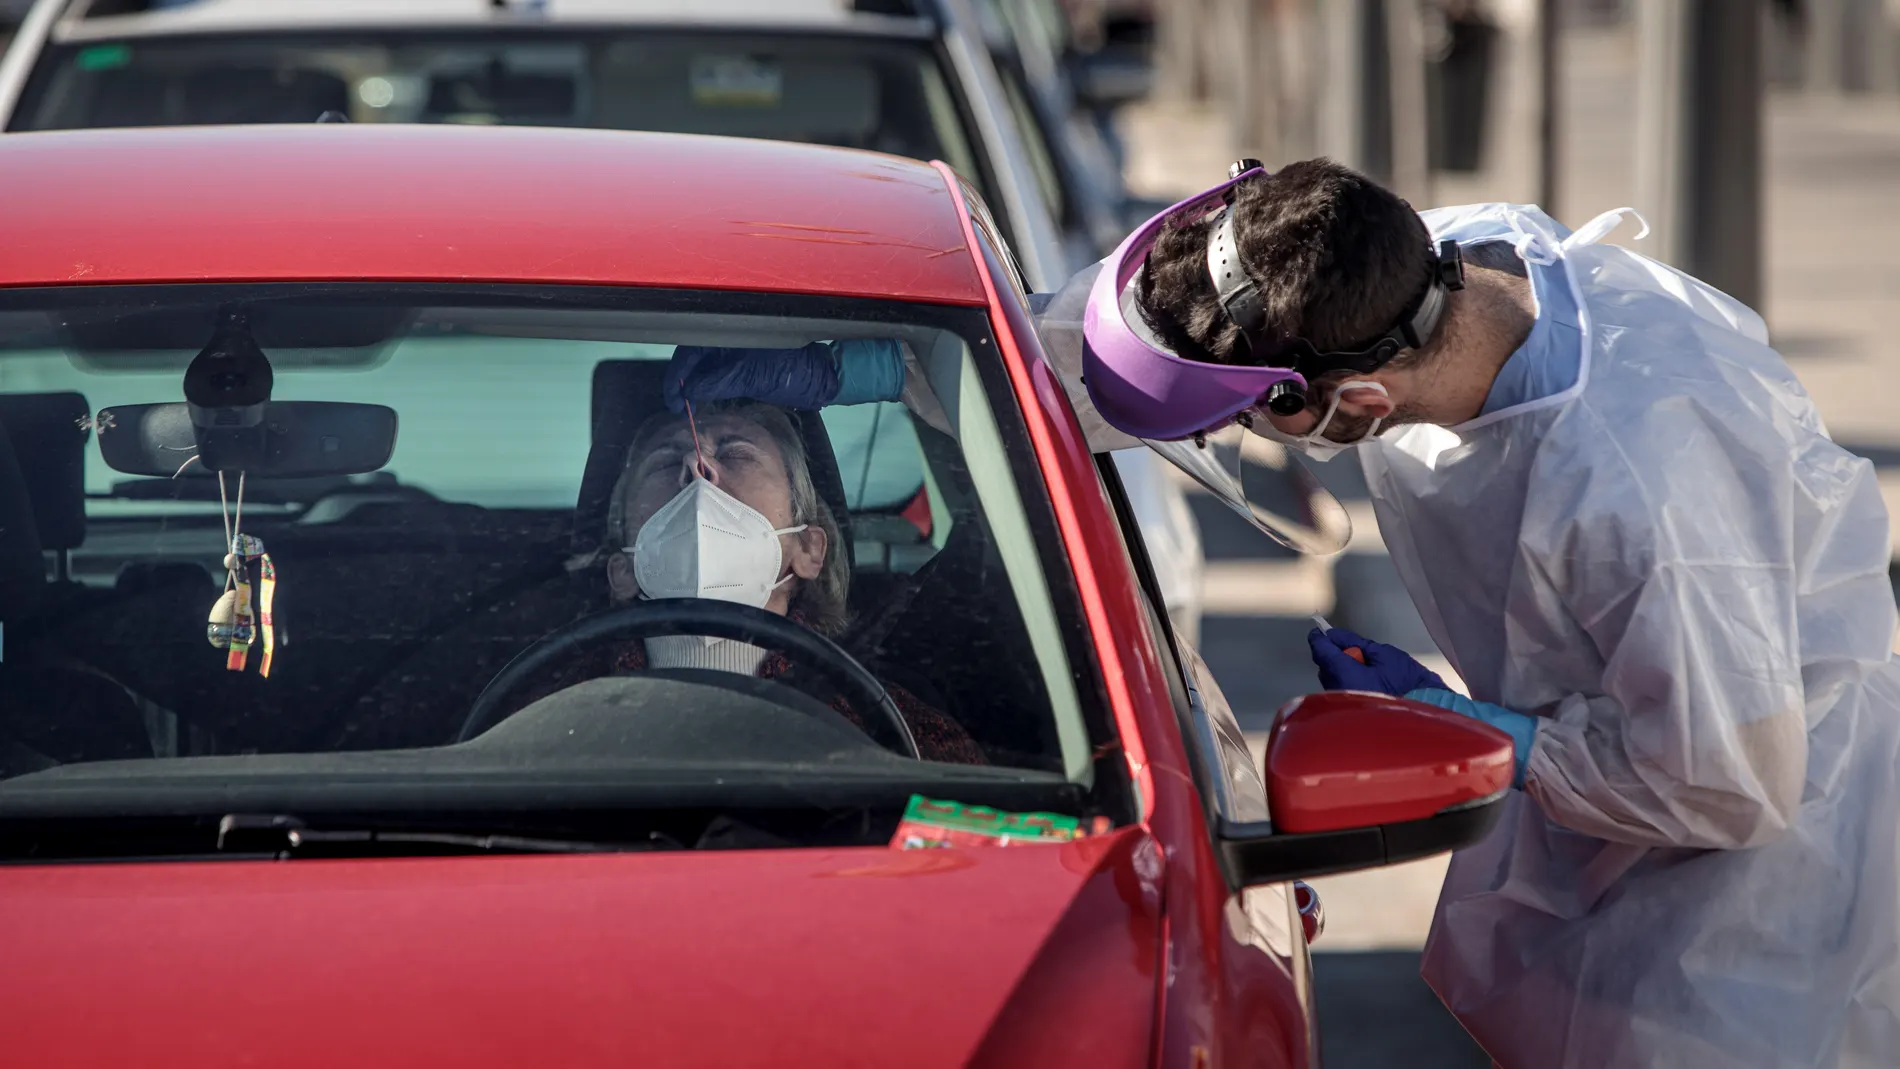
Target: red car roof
{"x": 448, "y": 203}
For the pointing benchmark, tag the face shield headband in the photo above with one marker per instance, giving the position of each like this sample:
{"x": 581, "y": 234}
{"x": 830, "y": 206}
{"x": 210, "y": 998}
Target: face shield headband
{"x": 1146, "y": 391}
{"x": 1240, "y": 298}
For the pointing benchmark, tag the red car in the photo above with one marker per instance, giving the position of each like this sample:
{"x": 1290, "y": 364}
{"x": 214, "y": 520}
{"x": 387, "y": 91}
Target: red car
{"x": 351, "y": 712}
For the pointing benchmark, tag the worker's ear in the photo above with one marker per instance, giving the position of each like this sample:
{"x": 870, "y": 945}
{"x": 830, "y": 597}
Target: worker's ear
{"x": 1366, "y": 402}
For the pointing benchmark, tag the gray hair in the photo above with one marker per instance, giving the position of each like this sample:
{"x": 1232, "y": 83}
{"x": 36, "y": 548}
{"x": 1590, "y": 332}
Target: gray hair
{"x": 821, "y": 601}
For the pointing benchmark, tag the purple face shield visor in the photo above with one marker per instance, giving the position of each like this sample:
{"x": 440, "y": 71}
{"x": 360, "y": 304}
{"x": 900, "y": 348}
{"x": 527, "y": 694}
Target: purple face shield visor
{"x": 1144, "y": 390}
{"x": 1184, "y": 410}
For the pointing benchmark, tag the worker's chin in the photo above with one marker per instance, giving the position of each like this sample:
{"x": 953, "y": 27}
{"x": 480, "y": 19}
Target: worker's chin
{"x": 1362, "y": 430}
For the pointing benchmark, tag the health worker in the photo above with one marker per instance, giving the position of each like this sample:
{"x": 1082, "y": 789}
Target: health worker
{"x": 1623, "y": 522}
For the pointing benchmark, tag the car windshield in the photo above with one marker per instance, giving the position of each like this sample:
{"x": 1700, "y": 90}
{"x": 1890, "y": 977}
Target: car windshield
{"x": 396, "y": 578}
{"x": 883, "y": 93}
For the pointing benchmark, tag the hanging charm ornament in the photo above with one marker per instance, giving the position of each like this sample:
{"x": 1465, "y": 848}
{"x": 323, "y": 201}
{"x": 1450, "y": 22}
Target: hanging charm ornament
{"x": 234, "y": 623}
{"x": 223, "y": 619}
{"x": 248, "y": 626}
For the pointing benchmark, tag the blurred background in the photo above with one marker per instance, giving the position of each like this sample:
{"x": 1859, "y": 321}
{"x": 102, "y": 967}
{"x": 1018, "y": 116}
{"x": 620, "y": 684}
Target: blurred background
{"x": 1760, "y": 139}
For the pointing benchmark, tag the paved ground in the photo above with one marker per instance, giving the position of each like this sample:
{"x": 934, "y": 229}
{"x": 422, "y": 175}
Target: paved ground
{"x": 1834, "y": 276}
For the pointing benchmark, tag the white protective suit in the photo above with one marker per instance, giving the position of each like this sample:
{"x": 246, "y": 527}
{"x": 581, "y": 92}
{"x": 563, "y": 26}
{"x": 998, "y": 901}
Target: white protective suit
{"x": 1673, "y": 564}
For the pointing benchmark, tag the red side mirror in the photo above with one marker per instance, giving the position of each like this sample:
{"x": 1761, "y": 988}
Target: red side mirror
{"x": 1358, "y": 780}
{"x": 1344, "y": 759}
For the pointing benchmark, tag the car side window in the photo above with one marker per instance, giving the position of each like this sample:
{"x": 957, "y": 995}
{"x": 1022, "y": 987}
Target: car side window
{"x": 1230, "y": 778}
{"x": 1244, "y": 790}
{"x": 1035, "y": 142}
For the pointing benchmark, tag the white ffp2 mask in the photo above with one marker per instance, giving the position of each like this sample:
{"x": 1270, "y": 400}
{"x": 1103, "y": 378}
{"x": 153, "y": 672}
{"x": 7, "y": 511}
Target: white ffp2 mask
{"x": 1314, "y": 443}
{"x": 705, "y": 543}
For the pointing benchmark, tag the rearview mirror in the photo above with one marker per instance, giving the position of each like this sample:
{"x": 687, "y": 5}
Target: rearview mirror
{"x": 1356, "y": 781}
{"x": 295, "y": 439}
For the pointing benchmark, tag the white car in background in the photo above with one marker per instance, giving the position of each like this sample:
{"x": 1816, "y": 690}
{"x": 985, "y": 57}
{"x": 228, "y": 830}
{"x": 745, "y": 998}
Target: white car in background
{"x": 910, "y": 77}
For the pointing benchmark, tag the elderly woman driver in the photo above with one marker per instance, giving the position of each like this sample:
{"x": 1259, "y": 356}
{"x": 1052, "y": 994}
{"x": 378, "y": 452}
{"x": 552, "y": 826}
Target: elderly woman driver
{"x": 724, "y": 507}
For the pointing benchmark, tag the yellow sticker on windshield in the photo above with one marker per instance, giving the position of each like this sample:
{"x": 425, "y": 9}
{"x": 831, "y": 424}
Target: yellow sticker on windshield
{"x": 737, "y": 81}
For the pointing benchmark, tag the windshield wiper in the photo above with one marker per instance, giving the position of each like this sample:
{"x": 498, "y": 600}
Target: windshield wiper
{"x": 289, "y": 836}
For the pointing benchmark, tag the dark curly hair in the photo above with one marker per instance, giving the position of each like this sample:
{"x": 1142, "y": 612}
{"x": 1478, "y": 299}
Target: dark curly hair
{"x": 1337, "y": 258}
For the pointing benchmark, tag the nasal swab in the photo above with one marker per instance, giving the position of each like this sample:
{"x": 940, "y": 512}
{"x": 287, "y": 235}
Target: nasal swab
{"x": 1325, "y": 626}
{"x": 699, "y": 454}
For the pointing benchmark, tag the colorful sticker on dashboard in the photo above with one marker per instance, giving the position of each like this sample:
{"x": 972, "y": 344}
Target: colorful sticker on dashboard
{"x": 103, "y": 57}
{"x": 930, "y": 823}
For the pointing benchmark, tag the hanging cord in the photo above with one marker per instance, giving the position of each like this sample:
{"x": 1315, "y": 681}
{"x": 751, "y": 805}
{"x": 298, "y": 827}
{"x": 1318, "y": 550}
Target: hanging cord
{"x": 248, "y": 621}
{"x": 233, "y": 528}
{"x": 230, "y": 539}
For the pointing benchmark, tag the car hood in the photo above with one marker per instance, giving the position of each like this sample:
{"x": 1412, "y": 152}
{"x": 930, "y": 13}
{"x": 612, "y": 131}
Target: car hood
{"x": 820, "y": 957}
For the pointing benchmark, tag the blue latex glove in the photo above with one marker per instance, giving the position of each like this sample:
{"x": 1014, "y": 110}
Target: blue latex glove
{"x": 849, "y": 372}
{"x": 1388, "y": 669}
{"x": 1521, "y": 728}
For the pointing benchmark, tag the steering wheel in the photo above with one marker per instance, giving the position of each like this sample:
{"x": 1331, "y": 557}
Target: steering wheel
{"x": 686, "y": 616}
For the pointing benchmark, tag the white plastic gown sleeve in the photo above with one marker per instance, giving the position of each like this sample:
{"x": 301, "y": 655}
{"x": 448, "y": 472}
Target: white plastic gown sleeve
{"x": 1682, "y": 576}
